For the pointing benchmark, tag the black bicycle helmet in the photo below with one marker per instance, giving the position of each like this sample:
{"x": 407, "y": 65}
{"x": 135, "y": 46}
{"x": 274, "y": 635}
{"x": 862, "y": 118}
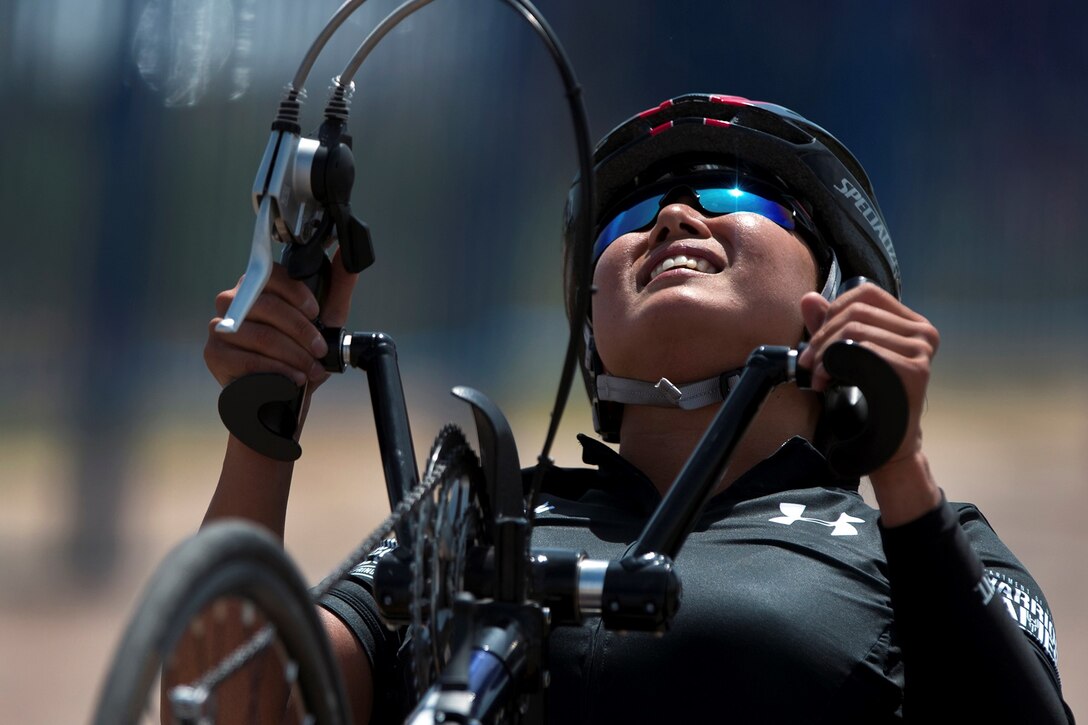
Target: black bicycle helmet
{"x": 758, "y": 139}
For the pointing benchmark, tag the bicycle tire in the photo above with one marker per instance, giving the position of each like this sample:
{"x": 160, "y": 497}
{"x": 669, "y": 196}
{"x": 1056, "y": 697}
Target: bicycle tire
{"x": 224, "y": 561}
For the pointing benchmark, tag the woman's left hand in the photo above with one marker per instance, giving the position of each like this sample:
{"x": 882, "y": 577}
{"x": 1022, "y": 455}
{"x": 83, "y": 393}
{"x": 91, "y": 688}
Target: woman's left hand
{"x": 907, "y": 341}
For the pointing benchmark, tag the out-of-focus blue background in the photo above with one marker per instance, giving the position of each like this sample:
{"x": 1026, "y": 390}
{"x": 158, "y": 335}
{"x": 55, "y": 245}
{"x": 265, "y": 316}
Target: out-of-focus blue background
{"x": 131, "y": 132}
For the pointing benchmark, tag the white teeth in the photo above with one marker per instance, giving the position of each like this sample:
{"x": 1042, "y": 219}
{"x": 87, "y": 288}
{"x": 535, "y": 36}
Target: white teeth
{"x": 693, "y": 263}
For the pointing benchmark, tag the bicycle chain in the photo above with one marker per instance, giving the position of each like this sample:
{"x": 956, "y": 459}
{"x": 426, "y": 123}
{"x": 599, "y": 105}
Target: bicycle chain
{"x": 444, "y": 528}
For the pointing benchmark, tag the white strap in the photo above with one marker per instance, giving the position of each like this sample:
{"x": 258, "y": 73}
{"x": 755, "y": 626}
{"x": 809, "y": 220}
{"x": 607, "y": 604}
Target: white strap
{"x": 834, "y": 278}
{"x": 663, "y": 393}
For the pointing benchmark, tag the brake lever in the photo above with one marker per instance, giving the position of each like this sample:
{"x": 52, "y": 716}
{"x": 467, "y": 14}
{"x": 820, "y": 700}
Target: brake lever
{"x": 258, "y": 270}
{"x": 285, "y": 209}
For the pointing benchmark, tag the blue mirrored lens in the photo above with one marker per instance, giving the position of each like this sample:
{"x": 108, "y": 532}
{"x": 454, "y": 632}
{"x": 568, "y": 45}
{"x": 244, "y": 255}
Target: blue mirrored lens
{"x": 714, "y": 200}
{"x": 730, "y": 201}
{"x": 626, "y": 221}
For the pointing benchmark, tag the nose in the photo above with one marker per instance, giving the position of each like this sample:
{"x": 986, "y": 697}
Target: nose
{"x": 679, "y": 216}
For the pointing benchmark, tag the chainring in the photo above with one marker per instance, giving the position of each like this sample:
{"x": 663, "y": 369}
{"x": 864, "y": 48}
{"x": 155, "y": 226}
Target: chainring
{"x": 447, "y": 524}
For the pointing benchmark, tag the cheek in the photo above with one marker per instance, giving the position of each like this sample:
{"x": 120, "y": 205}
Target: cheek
{"x": 770, "y": 247}
{"x": 608, "y": 308}
{"x": 775, "y": 270}
{"x": 806, "y": 272}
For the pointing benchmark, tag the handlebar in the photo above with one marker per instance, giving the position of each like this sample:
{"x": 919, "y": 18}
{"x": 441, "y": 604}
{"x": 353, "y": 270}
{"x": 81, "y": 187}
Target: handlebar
{"x": 302, "y": 196}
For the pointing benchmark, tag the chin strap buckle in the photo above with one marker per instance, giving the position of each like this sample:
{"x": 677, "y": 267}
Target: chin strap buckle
{"x": 664, "y": 393}
{"x": 669, "y": 391}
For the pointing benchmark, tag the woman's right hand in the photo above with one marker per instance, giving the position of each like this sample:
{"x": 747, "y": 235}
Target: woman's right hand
{"x": 278, "y": 335}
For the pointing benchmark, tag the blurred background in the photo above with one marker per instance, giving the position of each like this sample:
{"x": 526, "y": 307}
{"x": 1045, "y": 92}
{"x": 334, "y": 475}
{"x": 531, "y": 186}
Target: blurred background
{"x": 132, "y": 130}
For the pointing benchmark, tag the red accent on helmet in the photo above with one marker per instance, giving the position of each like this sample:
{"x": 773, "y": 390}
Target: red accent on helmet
{"x": 716, "y": 122}
{"x": 658, "y": 129}
{"x": 660, "y": 107}
{"x": 733, "y": 100}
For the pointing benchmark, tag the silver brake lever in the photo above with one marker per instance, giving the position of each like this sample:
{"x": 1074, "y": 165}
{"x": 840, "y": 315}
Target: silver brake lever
{"x": 286, "y": 211}
{"x": 257, "y": 273}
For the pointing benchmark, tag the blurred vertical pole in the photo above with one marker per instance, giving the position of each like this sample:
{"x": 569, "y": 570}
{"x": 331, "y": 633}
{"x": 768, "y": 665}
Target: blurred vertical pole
{"x": 111, "y": 374}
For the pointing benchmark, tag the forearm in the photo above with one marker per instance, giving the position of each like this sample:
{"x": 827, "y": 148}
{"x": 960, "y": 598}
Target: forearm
{"x": 905, "y": 490}
{"x": 252, "y": 487}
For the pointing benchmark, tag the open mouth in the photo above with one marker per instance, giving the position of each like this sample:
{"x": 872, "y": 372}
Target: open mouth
{"x": 683, "y": 261}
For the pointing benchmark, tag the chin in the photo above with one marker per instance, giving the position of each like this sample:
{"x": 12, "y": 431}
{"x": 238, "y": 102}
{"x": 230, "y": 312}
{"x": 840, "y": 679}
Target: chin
{"x": 681, "y": 354}
{"x": 687, "y": 332}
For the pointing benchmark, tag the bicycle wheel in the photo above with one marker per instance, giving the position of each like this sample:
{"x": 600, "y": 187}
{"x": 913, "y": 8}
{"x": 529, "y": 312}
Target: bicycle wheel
{"x": 209, "y": 596}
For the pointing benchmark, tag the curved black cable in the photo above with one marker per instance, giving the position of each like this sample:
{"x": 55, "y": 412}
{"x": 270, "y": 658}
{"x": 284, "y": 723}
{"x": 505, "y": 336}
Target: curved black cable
{"x": 583, "y": 228}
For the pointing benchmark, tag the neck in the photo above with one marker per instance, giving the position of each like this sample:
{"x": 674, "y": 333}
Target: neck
{"x": 660, "y": 440}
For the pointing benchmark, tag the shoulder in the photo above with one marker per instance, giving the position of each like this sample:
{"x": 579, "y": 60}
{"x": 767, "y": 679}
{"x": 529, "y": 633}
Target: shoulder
{"x": 983, "y": 536}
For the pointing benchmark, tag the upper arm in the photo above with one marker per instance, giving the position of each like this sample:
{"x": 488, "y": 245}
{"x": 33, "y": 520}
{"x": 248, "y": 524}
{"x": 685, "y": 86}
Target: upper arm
{"x": 1021, "y": 595}
{"x": 355, "y": 668}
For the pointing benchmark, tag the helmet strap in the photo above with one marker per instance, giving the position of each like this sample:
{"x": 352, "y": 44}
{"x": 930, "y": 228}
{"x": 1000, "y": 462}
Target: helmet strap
{"x": 665, "y": 394}
{"x": 834, "y": 278}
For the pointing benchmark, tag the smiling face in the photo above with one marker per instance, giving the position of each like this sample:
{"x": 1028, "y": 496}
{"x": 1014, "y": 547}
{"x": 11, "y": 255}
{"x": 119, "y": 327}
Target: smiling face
{"x": 693, "y": 295}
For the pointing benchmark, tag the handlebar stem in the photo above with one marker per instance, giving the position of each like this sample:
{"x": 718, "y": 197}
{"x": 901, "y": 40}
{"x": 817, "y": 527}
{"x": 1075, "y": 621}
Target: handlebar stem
{"x": 376, "y": 354}
{"x": 675, "y": 517}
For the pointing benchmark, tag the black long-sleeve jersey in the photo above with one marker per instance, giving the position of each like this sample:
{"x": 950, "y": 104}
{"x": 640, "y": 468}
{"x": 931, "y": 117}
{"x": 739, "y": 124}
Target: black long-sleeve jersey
{"x": 798, "y": 607}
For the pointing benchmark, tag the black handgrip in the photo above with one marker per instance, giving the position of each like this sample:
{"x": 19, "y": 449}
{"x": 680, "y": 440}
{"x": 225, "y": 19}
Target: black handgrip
{"x": 863, "y": 431}
{"x": 261, "y": 410}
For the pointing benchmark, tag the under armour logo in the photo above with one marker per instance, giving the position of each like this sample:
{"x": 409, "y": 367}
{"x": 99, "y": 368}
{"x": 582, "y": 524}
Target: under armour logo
{"x": 841, "y": 527}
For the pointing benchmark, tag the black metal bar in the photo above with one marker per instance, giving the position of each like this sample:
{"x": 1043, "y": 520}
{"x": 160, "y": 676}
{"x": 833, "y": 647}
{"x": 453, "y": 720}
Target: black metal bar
{"x": 376, "y": 353}
{"x": 498, "y": 659}
{"x": 675, "y": 516}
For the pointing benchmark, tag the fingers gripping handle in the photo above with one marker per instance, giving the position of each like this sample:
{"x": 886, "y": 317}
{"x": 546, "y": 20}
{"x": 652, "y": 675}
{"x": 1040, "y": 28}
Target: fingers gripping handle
{"x": 866, "y": 410}
{"x": 263, "y": 410}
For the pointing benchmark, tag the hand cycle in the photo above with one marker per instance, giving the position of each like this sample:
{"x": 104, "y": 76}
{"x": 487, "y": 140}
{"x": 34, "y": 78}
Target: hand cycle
{"x": 477, "y": 601}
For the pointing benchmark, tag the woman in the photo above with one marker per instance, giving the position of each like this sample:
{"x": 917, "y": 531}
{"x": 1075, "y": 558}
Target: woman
{"x": 724, "y": 224}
